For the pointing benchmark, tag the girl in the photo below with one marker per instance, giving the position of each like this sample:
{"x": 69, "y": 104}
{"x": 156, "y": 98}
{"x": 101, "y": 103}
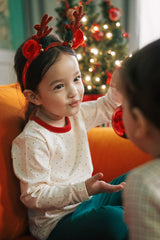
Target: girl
{"x": 51, "y": 156}
{"x": 140, "y": 88}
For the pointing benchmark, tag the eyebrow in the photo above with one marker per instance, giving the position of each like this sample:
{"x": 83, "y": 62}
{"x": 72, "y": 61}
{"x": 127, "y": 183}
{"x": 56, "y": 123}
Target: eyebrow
{"x": 61, "y": 79}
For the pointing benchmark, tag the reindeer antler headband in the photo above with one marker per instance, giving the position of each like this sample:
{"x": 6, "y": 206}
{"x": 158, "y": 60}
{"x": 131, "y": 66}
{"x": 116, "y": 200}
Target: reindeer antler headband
{"x": 32, "y": 48}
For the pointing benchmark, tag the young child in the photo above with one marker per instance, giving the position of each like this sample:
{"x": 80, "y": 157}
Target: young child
{"x": 51, "y": 156}
{"x": 140, "y": 88}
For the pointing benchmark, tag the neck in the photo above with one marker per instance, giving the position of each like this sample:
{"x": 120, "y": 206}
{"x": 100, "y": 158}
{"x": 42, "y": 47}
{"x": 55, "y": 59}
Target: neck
{"x": 56, "y": 122}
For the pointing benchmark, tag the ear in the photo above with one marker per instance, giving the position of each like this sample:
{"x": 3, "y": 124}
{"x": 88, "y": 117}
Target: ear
{"x": 31, "y": 97}
{"x": 142, "y": 125}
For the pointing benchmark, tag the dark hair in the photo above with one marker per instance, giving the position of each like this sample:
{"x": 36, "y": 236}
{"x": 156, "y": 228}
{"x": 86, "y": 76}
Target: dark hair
{"x": 39, "y": 66}
{"x": 141, "y": 81}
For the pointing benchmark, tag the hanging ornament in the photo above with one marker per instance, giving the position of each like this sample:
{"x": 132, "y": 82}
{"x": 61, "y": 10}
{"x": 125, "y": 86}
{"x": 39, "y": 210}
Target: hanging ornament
{"x": 109, "y": 76}
{"x": 125, "y": 35}
{"x": 114, "y": 14}
{"x": 98, "y": 35}
{"x": 117, "y": 123}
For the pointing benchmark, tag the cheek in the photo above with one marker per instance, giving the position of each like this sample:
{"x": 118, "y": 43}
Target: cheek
{"x": 81, "y": 89}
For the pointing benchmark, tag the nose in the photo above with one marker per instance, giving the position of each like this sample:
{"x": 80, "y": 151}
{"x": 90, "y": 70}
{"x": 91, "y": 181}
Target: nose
{"x": 72, "y": 91}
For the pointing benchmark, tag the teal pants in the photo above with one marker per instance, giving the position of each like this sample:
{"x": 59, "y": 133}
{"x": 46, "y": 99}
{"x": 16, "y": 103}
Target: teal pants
{"x": 99, "y": 218}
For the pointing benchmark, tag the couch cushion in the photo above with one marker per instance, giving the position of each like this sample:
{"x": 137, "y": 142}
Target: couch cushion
{"x": 13, "y": 217}
{"x": 113, "y": 155}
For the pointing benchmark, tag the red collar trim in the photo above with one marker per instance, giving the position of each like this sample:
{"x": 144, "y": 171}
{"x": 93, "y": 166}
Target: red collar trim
{"x": 67, "y": 128}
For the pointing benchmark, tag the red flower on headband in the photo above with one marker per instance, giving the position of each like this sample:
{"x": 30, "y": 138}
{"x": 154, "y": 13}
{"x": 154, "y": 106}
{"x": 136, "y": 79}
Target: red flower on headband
{"x": 31, "y": 49}
{"x": 78, "y": 39}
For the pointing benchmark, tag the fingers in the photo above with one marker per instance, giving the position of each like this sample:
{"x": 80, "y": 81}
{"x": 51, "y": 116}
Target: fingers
{"x": 97, "y": 176}
{"x": 118, "y": 187}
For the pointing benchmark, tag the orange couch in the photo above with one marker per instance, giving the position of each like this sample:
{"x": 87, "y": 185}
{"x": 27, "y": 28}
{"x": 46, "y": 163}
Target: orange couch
{"x": 111, "y": 154}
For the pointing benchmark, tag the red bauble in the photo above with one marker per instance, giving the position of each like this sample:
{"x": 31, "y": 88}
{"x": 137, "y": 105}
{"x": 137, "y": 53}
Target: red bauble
{"x": 125, "y": 35}
{"x": 114, "y": 14}
{"x": 98, "y": 36}
{"x": 117, "y": 122}
{"x": 109, "y": 76}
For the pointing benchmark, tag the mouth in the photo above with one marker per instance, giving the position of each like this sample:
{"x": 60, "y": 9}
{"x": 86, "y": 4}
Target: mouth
{"x": 74, "y": 104}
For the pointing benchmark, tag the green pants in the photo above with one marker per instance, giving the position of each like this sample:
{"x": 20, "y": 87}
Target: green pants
{"x": 101, "y": 217}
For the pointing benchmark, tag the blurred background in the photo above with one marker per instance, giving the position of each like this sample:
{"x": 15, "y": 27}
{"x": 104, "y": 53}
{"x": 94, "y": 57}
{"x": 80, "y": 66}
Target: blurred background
{"x": 136, "y": 20}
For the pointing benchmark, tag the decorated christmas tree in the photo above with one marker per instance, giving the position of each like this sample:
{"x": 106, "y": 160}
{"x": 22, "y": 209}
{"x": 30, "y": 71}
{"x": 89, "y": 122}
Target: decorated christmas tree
{"x": 105, "y": 44}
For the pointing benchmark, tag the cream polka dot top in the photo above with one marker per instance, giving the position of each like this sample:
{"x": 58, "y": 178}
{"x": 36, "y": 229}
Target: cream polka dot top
{"x": 52, "y": 164}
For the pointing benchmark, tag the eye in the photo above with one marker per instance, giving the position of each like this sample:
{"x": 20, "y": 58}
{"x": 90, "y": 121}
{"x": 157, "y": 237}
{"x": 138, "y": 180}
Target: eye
{"x": 59, "y": 86}
{"x": 77, "y": 78}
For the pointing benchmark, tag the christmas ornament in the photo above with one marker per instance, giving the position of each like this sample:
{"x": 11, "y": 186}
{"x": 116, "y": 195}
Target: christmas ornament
{"x": 125, "y": 35}
{"x": 114, "y": 14}
{"x": 98, "y": 36}
{"x": 117, "y": 122}
{"x": 109, "y": 76}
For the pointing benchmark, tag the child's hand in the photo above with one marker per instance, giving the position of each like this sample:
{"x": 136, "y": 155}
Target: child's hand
{"x": 95, "y": 185}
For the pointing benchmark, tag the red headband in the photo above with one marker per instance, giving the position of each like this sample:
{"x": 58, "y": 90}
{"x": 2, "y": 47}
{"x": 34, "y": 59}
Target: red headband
{"x": 32, "y": 48}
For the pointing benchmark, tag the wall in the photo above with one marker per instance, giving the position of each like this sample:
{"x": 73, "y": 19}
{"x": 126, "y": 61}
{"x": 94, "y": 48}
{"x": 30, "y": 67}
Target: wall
{"x": 7, "y": 74}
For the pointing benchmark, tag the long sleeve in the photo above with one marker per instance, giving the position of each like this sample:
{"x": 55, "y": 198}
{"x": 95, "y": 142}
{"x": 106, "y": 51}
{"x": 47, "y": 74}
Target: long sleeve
{"x": 39, "y": 187}
{"x": 100, "y": 111}
{"x": 141, "y": 202}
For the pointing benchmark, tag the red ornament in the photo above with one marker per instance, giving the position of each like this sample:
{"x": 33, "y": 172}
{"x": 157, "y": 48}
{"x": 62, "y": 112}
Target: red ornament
{"x": 114, "y": 14}
{"x": 125, "y": 35}
{"x": 109, "y": 76}
{"x": 117, "y": 122}
{"x": 98, "y": 36}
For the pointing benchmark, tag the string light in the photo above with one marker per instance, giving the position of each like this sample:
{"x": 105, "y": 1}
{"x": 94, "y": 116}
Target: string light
{"x": 89, "y": 87}
{"x": 118, "y": 24}
{"x": 96, "y": 28}
{"x": 118, "y": 63}
{"x": 94, "y": 51}
{"x": 87, "y": 78}
{"x": 105, "y": 26}
{"x": 109, "y": 35}
{"x": 85, "y": 38}
{"x": 91, "y": 60}
{"x": 79, "y": 56}
{"x": 90, "y": 69}
{"x": 84, "y": 19}
{"x": 113, "y": 53}
{"x": 97, "y": 79}
{"x": 103, "y": 87}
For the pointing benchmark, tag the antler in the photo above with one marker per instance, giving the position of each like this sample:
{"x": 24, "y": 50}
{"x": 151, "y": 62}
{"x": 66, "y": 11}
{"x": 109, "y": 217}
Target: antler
{"x": 42, "y": 28}
{"x": 74, "y": 26}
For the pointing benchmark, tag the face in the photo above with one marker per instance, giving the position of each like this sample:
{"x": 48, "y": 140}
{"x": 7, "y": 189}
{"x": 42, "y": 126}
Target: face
{"x": 61, "y": 90}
